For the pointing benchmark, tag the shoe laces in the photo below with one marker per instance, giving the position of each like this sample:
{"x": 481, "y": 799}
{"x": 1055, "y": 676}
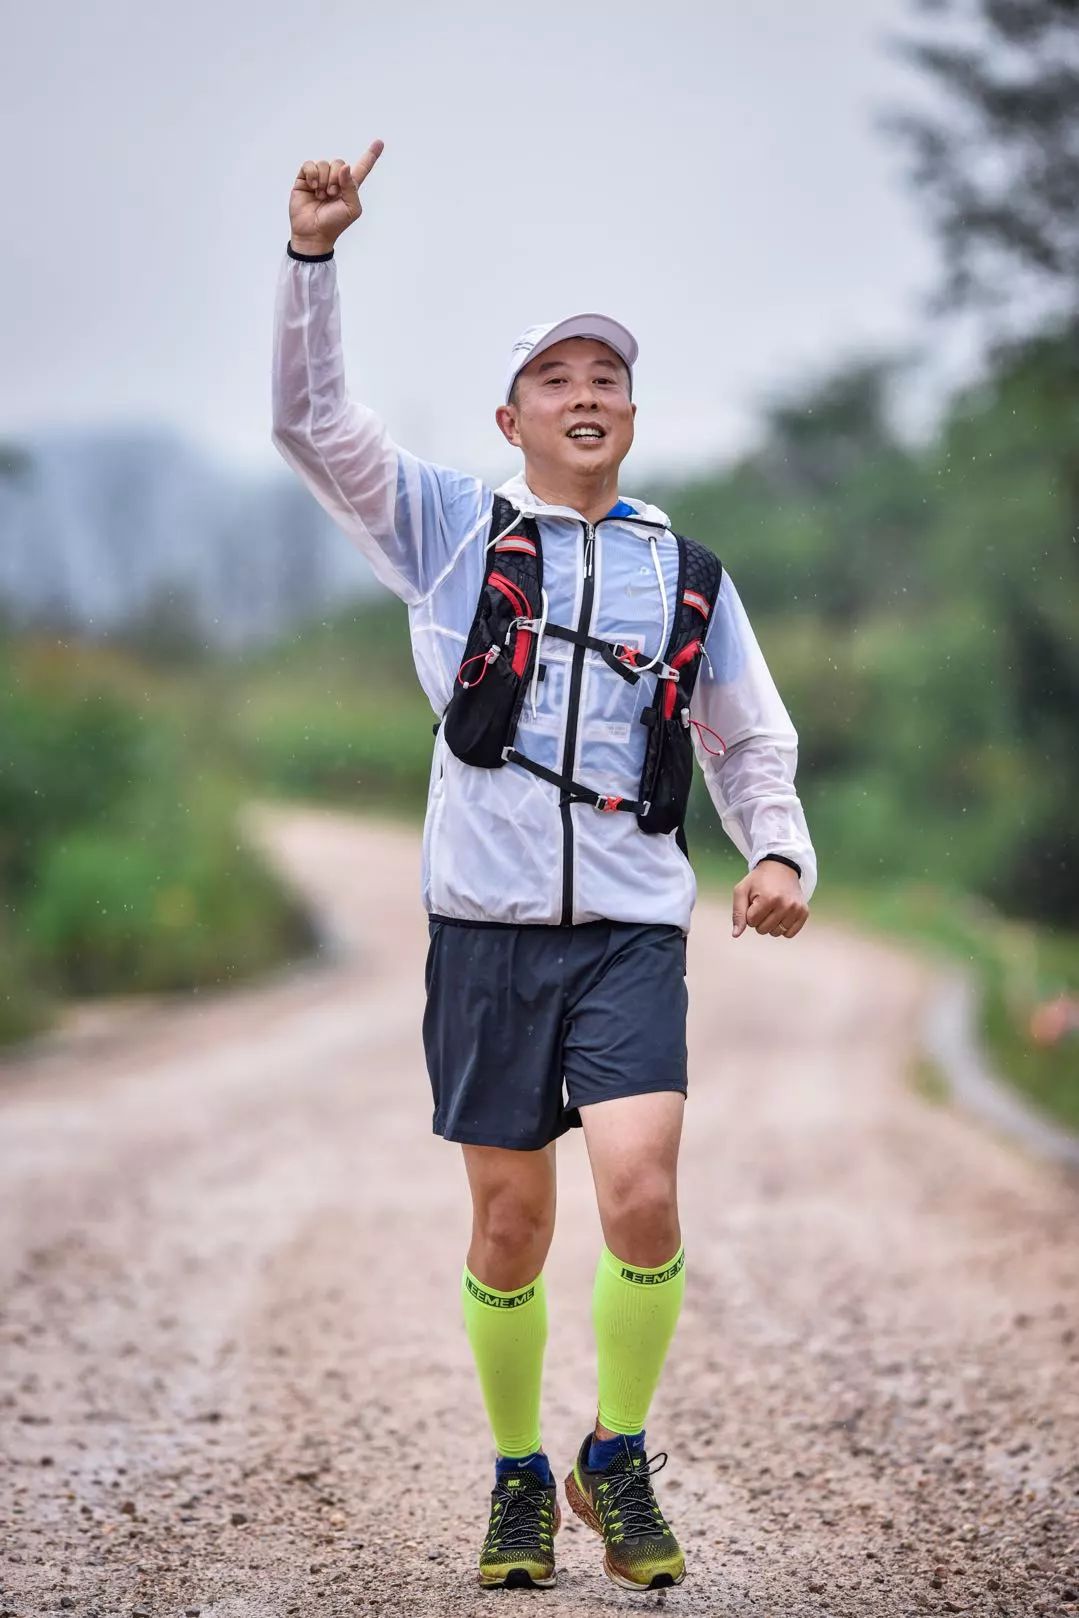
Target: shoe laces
{"x": 523, "y": 1515}
{"x": 628, "y": 1499}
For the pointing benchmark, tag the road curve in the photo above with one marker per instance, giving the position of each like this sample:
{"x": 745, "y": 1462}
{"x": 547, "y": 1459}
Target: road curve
{"x": 232, "y": 1375}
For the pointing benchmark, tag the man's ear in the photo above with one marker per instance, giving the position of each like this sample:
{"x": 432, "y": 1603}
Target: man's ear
{"x": 506, "y": 417}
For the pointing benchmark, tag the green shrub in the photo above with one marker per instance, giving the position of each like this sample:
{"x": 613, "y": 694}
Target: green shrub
{"x": 24, "y": 1008}
{"x": 120, "y": 865}
{"x": 69, "y": 757}
{"x": 354, "y": 755}
{"x": 166, "y": 898}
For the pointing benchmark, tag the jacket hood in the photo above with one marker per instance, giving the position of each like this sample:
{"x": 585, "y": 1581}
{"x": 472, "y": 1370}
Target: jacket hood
{"x": 517, "y": 491}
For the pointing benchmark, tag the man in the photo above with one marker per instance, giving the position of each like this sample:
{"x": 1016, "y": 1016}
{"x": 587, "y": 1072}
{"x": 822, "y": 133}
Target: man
{"x": 558, "y": 923}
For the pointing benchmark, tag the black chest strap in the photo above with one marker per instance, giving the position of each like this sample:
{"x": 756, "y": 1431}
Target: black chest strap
{"x": 573, "y": 791}
{"x": 615, "y": 653}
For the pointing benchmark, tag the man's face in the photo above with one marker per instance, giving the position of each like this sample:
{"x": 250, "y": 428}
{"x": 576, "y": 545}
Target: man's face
{"x": 572, "y": 412}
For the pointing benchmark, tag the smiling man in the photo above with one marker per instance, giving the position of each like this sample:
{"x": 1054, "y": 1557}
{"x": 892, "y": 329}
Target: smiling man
{"x": 577, "y": 653}
{"x": 546, "y": 362}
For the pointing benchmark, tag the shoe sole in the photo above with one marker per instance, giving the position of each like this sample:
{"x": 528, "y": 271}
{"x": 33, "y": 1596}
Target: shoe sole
{"x": 519, "y": 1578}
{"x": 580, "y": 1506}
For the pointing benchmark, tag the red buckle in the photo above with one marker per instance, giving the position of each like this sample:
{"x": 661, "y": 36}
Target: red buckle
{"x": 628, "y": 655}
{"x": 607, "y": 805}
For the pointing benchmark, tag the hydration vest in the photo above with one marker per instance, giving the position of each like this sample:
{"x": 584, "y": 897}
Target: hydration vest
{"x": 480, "y": 723}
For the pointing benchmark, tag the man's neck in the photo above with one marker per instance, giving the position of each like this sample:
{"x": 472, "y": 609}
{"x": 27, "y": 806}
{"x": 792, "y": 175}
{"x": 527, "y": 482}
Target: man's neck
{"x": 585, "y": 495}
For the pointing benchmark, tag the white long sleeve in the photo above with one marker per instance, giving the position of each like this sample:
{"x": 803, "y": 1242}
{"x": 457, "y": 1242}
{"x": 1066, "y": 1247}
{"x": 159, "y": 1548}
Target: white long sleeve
{"x": 752, "y": 784}
{"x": 410, "y": 518}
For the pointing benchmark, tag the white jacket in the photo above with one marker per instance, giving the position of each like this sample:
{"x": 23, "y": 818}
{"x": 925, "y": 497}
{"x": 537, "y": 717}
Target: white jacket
{"x": 496, "y": 845}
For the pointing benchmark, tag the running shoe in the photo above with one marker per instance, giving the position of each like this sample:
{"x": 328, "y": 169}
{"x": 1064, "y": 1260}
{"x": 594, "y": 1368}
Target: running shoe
{"x": 641, "y": 1553}
{"x": 518, "y": 1552}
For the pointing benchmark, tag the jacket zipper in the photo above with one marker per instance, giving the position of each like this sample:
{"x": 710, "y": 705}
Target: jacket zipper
{"x": 569, "y": 754}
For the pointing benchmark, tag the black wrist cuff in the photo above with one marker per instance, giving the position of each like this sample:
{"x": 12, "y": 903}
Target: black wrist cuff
{"x": 308, "y": 258}
{"x": 783, "y": 860}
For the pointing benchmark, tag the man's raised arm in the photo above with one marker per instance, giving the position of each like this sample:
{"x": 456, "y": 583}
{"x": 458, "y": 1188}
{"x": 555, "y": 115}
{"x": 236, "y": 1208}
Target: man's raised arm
{"x": 410, "y": 519}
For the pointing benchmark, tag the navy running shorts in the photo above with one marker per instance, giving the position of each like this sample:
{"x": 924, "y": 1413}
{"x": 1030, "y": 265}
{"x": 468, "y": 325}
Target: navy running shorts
{"x": 524, "y": 1025}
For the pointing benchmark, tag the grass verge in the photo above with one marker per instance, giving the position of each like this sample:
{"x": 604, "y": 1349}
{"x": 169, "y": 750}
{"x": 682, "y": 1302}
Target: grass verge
{"x": 1016, "y": 965}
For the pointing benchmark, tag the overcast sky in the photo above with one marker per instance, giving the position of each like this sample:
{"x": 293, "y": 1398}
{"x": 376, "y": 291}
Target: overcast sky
{"x": 708, "y": 173}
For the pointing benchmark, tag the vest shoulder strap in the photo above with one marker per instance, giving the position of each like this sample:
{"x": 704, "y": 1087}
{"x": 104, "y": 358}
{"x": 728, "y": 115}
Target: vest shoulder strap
{"x": 700, "y": 574}
{"x": 514, "y": 547}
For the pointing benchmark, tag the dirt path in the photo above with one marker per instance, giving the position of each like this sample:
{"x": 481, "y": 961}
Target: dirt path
{"x": 232, "y": 1376}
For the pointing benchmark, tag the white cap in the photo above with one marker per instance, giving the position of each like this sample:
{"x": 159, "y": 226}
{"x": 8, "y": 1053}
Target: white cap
{"x": 601, "y": 327}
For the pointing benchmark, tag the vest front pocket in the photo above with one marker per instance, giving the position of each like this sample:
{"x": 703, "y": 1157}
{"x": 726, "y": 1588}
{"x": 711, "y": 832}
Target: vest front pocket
{"x": 668, "y": 771}
{"x": 482, "y": 715}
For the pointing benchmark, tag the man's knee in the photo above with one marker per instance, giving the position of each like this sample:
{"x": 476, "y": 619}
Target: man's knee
{"x": 640, "y": 1215}
{"x": 510, "y": 1236}
{"x": 508, "y": 1223}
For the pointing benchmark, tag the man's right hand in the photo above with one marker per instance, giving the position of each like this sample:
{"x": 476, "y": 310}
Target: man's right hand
{"x": 325, "y": 200}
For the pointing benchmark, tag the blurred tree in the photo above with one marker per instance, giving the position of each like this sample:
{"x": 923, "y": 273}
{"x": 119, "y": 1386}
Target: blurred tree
{"x": 70, "y": 755}
{"x": 168, "y": 632}
{"x": 998, "y": 166}
{"x": 13, "y": 460}
{"x": 821, "y": 431}
{"x": 825, "y": 515}
{"x": 1004, "y": 541}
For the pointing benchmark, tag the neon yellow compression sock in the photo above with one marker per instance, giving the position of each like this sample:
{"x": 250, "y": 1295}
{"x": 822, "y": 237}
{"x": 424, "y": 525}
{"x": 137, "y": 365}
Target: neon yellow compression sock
{"x": 634, "y": 1312}
{"x": 508, "y": 1333}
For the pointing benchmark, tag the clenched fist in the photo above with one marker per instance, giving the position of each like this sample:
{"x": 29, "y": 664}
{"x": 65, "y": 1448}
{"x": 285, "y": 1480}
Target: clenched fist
{"x": 769, "y": 899}
{"x": 325, "y": 200}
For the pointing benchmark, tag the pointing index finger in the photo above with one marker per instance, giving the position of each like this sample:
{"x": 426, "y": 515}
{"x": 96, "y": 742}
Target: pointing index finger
{"x": 362, "y": 168}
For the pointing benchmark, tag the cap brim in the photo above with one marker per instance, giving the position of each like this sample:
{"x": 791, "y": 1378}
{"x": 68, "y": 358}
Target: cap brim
{"x": 601, "y": 327}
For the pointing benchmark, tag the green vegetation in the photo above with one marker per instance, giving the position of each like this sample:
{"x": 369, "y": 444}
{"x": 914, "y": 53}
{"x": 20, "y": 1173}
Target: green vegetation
{"x": 120, "y": 865}
{"x": 918, "y": 610}
{"x": 335, "y": 712}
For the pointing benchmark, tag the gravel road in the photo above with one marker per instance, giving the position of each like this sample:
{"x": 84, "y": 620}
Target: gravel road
{"x": 232, "y": 1375}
